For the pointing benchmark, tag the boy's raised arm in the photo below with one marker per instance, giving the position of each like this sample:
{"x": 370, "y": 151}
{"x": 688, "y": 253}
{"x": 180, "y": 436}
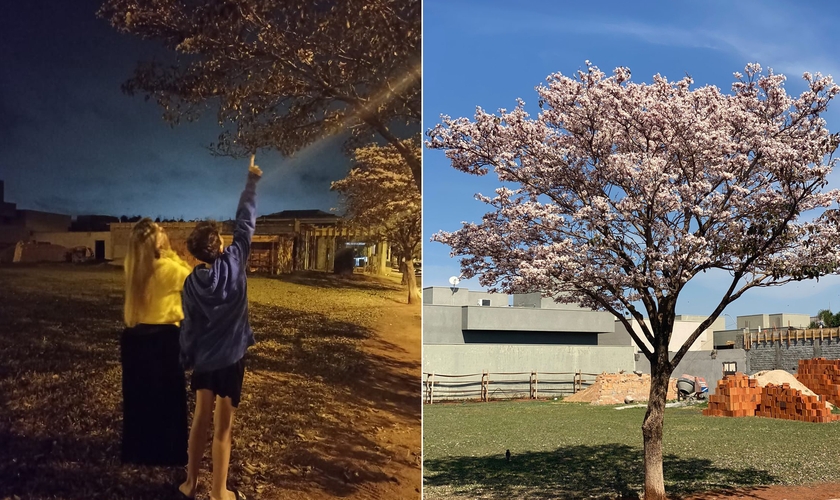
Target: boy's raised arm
{"x": 246, "y": 215}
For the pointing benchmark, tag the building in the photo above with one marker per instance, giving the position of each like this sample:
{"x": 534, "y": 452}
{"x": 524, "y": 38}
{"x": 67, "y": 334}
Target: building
{"x": 283, "y": 242}
{"x": 468, "y": 332}
{"x": 20, "y": 230}
{"x": 726, "y": 339}
{"x": 21, "y": 225}
{"x": 684, "y": 326}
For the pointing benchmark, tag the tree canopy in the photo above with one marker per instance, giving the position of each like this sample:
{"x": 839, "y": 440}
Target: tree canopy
{"x": 623, "y": 192}
{"x": 379, "y": 193}
{"x": 282, "y": 74}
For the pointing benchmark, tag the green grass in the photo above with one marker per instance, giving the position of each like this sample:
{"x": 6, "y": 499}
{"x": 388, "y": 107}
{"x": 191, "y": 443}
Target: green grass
{"x": 571, "y": 450}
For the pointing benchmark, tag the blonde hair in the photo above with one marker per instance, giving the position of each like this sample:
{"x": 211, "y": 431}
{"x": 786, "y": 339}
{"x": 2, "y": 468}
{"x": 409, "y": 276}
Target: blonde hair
{"x": 139, "y": 267}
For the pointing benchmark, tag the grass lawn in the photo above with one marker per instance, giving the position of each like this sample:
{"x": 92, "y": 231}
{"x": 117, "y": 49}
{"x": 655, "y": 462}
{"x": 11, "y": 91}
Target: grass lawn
{"x": 574, "y": 450}
{"x": 330, "y": 406}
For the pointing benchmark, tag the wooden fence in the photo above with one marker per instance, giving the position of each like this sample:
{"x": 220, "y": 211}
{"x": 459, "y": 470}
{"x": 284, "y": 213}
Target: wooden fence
{"x": 503, "y": 385}
{"x": 790, "y": 335}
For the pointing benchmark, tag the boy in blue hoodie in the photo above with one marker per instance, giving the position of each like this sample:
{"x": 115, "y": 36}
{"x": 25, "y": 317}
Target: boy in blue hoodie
{"x": 215, "y": 335}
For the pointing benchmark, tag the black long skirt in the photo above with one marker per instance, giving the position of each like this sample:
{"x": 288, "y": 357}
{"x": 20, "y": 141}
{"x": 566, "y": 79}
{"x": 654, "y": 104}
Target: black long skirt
{"x": 155, "y": 419}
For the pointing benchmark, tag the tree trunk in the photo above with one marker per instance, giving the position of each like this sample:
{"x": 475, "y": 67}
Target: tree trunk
{"x": 652, "y": 425}
{"x": 404, "y": 275}
{"x": 411, "y": 280}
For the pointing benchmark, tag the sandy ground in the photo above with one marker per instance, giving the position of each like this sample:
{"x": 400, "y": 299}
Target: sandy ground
{"x": 827, "y": 491}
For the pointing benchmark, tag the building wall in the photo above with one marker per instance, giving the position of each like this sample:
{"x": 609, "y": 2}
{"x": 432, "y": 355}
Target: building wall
{"x": 684, "y": 326}
{"x": 9, "y": 235}
{"x": 38, "y": 252}
{"x": 7, "y": 212}
{"x": 541, "y": 320}
{"x": 707, "y": 364}
{"x": 786, "y": 356}
{"x": 778, "y": 320}
{"x": 454, "y": 296}
{"x": 44, "y": 221}
{"x": 77, "y": 239}
{"x": 536, "y": 300}
{"x": 455, "y": 325}
{"x": 496, "y": 358}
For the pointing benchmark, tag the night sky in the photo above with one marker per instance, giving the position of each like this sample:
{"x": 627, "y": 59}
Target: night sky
{"x": 72, "y": 142}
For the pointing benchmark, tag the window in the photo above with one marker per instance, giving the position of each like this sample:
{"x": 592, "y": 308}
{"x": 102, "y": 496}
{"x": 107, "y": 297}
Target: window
{"x": 729, "y": 368}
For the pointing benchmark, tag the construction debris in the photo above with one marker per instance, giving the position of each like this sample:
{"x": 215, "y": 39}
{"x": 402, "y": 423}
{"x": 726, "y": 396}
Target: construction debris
{"x": 615, "y": 388}
{"x": 778, "y": 394}
{"x": 822, "y": 376}
{"x": 735, "y": 396}
{"x": 789, "y": 404}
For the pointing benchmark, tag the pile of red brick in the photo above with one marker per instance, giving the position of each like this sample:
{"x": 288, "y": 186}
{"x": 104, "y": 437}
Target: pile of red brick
{"x": 821, "y": 376}
{"x": 740, "y": 396}
{"x": 735, "y": 396}
{"x": 780, "y": 401}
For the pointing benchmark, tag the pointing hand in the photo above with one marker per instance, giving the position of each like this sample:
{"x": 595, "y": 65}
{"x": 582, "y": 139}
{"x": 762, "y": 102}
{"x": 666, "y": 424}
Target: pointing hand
{"x": 254, "y": 169}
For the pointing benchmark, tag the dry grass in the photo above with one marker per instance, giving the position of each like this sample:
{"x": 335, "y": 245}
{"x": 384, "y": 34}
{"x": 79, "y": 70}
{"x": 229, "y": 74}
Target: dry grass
{"x": 315, "y": 401}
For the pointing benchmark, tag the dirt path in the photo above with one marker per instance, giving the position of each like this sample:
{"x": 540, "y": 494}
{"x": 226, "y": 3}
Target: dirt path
{"x": 397, "y": 344}
{"x": 344, "y": 392}
{"x": 823, "y": 491}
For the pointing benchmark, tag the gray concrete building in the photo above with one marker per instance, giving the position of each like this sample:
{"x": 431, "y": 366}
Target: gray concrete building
{"x": 470, "y": 332}
{"x": 728, "y": 339}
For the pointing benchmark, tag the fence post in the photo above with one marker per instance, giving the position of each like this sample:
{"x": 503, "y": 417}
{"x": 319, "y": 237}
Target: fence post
{"x": 485, "y": 381}
{"x": 431, "y": 387}
{"x": 577, "y": 383}
{"x": 533, "y": 385}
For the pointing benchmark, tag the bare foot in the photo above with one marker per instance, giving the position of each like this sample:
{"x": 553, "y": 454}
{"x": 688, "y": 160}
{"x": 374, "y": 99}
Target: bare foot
{"x": 229, "y": 495}
{"x": 187, "y": 490}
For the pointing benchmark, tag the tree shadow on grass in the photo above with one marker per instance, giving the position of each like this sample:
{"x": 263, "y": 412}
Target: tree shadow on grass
{"x": 315, "y": 346}
{"x": 312, "y": 369}
{"x": 69, "y": 466}
{"x": 603, "y": 471}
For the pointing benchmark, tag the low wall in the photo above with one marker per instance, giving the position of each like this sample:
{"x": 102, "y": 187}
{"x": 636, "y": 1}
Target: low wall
{"x": 786, "y": 355}
{"x": 78, "y": 239}
{"x": 39, "y": 252}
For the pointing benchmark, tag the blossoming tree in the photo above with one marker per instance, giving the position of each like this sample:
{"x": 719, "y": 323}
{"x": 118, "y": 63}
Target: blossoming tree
{"x": 617, "y": 194}
{"x": 380, "y": 193}
{"x": 282, "y": 74}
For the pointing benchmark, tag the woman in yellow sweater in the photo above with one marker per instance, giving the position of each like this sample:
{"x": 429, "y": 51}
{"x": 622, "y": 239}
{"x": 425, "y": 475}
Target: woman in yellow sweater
{"x": 155, "y": 422}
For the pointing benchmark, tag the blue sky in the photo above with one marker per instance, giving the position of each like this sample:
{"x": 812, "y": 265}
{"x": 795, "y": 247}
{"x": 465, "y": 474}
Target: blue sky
{"x": 489, "y": 53}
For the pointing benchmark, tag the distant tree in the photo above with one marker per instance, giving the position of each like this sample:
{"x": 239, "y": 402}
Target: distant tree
{"x": 379, "y": 192}
{"x": 283, "y": 74}
{"x": 123, "y": 218}
{"x": 829, "y": 319}
{"x": 618, "y": 194}
{"x": 157, "y": 219}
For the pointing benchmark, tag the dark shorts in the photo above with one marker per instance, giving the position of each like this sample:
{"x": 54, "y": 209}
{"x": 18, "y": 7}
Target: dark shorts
{"x": 225, "y": 382}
